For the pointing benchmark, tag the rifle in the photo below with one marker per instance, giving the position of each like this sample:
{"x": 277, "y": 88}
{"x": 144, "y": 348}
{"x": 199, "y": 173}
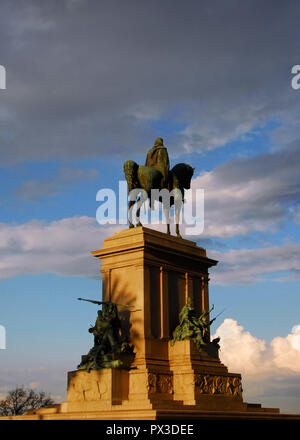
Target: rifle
{"x": 208, "y": 312}
{"x": 216, "y": 316}
{"x": 91, "y": 301}
{"x": 107, "y": 302}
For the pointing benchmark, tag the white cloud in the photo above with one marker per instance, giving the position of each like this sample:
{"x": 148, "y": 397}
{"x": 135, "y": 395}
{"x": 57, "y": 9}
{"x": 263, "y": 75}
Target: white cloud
{"x": 270, "y": 372}
{"x": 242, "y": 352}
{"x": 61, "y": 247}
{"x": 246, "y": 195}
{"x": 64, "y": 246}
{"x": 287, "y": 350}
{"x": 247, "y": 266}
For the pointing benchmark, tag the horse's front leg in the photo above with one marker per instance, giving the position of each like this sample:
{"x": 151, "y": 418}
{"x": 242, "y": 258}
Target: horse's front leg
{"x": 130, "y": 207}
{"x": 167, "y": 217}
{"x": 178, "y": 200}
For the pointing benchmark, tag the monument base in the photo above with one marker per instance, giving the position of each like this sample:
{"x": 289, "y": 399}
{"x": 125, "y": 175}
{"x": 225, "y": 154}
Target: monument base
{"x": 155, "y": 275}
{"x": 195, "y": 386}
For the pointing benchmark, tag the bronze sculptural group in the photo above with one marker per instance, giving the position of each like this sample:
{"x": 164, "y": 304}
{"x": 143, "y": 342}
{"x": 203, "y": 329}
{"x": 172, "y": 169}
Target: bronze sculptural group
{"x": 154, "y": 180}
{"x": 194, "y": 328}
{"x": 110, "y": 343}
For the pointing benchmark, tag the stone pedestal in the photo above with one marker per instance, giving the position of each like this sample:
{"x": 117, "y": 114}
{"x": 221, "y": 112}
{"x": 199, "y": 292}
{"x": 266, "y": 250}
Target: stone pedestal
{"x": 97, "y": 390}
{"x": 155, "y": 274}
{"x": 200, "y": 379}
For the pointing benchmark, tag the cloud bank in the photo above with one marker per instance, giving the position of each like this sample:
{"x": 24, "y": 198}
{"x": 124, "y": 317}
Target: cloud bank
{"x": 270, "y": 372}
{"x": 245, "y": 353}
{"x": 93, "y": 79}
{"x": 63, "y": 247}
{"x": 37, "y": 190}
{"x": 247, "y": 195}
{"x": 247, "y": 266}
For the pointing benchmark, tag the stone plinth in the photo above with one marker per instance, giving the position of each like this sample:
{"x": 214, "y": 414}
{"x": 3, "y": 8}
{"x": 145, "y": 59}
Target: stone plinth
{"x": 201, "y": 379}
{"x": 97, "y": 390}
{"x": 156, "y": 274}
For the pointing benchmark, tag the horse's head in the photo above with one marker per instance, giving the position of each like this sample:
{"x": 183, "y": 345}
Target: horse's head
{"x": 184, "y": 174}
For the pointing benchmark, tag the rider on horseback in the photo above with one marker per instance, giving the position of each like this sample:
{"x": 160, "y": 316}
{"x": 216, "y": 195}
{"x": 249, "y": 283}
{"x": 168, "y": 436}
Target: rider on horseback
{"x": 155, "y": 175}
{"x": 158, "y": 158}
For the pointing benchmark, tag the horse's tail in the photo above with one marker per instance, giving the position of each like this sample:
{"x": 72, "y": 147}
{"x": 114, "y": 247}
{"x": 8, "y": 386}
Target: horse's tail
{"x": 130, "y": 171}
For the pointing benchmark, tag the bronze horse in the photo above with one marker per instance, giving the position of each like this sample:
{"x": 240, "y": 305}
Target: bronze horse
{"x": 143, "y": 179}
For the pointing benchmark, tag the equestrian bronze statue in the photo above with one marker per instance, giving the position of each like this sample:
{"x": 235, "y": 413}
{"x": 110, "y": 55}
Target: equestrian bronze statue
{"x": 156, "y": 182}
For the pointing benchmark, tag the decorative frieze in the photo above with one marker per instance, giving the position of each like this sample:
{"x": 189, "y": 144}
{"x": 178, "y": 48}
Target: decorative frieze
{"x": 160, "y": 383}
{"x": 226, "y": 385}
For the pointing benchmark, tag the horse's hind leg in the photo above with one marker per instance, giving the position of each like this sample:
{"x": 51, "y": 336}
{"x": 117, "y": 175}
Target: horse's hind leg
{"x": 142, "y": 198}
{"x": 138, "y": 213}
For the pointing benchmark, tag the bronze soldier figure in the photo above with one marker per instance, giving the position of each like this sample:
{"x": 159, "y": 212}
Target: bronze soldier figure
{"x": 110, "y": 343}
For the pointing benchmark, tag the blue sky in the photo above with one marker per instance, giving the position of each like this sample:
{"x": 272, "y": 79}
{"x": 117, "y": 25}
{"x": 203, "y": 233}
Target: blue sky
{"x": 72, "y": 116}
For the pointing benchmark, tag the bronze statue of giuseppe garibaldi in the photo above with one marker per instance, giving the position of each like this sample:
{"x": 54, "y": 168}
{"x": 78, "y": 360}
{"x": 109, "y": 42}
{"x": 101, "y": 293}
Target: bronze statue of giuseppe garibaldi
{"x": 157, "y": 157}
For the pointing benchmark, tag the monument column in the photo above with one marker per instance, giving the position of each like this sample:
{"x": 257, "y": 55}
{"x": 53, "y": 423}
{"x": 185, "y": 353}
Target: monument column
{"x": 154, "y": 274}
{"x": 164, "y": 304}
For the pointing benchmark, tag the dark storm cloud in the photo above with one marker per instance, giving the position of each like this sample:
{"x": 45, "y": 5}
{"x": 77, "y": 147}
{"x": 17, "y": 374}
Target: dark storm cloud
{"x": 245, "y": 195}
{"x": 275, "y": 174}
{"x": 39, "y": 190}
{"x": 85, "y": 78}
